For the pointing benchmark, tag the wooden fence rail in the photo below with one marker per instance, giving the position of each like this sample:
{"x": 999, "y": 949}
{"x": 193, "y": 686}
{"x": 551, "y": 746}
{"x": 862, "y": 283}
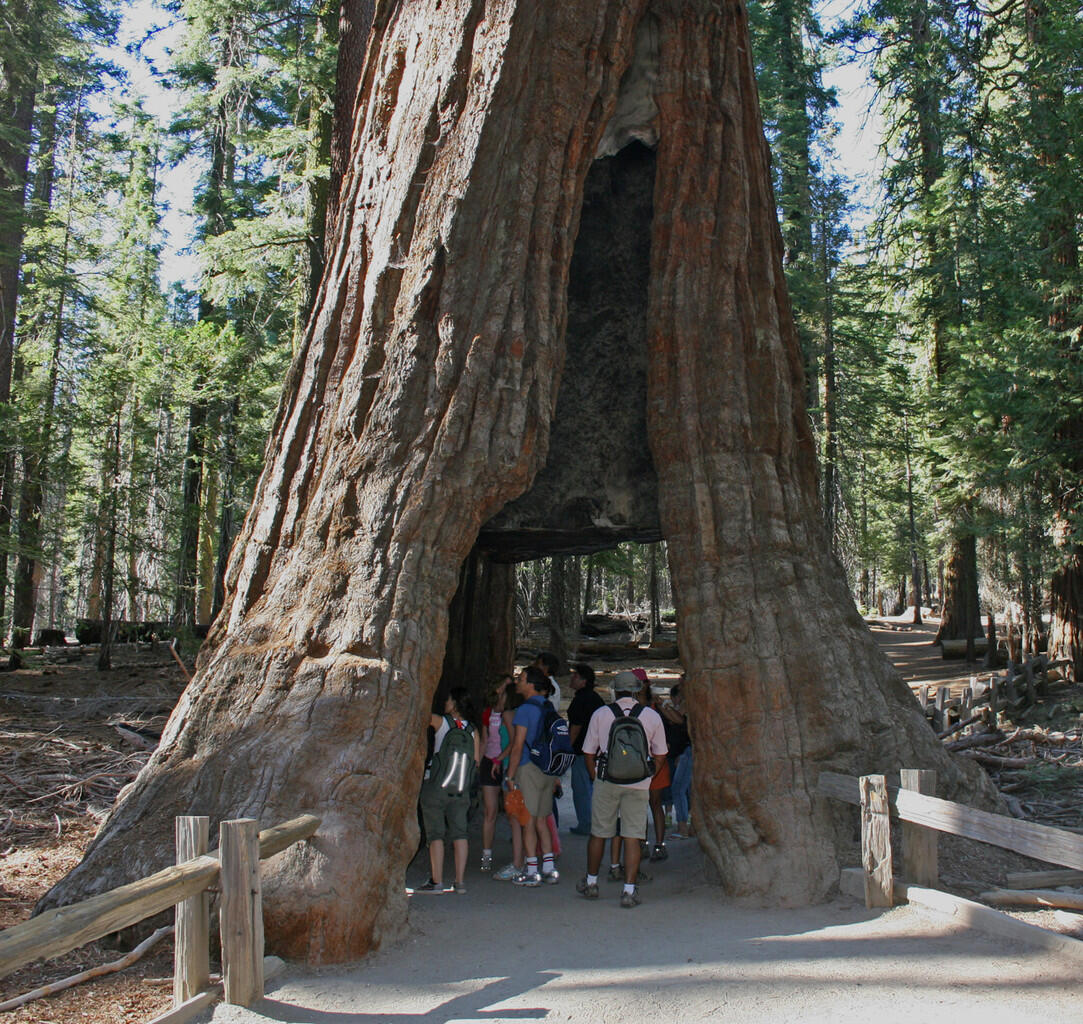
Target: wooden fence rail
{"x": 59, "y": 931}
{"x": 1042, "y": 842}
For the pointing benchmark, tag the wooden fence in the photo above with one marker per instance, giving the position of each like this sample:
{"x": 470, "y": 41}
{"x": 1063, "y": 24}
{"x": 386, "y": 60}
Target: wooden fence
{"x": 233, "y": 867}
{"x": 922, "y": 816}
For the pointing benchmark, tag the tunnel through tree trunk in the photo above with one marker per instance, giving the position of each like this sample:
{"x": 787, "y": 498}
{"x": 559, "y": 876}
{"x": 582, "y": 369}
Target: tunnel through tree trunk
{"x": 420, "y": 406}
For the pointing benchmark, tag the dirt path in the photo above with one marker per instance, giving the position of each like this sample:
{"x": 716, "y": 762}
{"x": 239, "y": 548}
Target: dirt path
{"x": 910, "y": 649}
{"x": 502, "y": 954}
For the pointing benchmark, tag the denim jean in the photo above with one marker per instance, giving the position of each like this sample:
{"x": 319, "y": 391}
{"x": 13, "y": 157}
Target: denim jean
{"x": 581, "y": 793}
{"x": 682, "y": 785}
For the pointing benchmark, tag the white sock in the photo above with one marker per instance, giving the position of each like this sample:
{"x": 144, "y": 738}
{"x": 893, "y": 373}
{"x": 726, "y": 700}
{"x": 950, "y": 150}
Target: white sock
{"x": 592, "y": 879}
{"x": 532, "y": 865}
{"x": 547, "y": 864}
{"x": 629, "y": 887}
{"x": 486, "y": 854}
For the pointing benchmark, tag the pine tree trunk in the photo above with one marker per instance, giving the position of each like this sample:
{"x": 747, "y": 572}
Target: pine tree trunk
{"x": 420, "y": 405}
{"x": 960, "y": 618}
{"x": 354, "y": 25}
{"x": 18, "y": 95}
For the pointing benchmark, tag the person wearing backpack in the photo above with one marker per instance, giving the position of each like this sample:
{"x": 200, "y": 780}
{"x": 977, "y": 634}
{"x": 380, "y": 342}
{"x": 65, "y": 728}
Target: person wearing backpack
{"x": 624, "y": 748}
{"x": 445, "y": 793}
{"x": 533, "y": 742}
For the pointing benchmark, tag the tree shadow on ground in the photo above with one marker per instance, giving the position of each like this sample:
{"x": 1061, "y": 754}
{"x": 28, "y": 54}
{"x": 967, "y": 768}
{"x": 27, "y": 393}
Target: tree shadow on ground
{"x": 466, "y": 1006}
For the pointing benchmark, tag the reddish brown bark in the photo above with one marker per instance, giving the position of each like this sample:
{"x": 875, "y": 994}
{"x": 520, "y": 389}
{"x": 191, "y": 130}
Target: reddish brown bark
{"x": 961, "y": 616}
{"x": 421, "y": 404}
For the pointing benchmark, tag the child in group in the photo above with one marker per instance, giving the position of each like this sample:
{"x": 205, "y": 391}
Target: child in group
{"x": 445, "y": 793}
{"x": 495, "y": 741}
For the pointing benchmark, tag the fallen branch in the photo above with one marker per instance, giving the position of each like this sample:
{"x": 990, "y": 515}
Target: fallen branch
{"x": 1043, "y": 879}
{"x": 997, "y": 761}
{"x": 177, "y": 659}
{"x": 1033, "y": 898}
{"x": 93, "y": 972}
{"x": 979, "y": 739}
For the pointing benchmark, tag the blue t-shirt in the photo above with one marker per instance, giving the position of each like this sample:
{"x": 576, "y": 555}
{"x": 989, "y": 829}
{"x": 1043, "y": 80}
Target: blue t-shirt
{"x": 529, "y": 713}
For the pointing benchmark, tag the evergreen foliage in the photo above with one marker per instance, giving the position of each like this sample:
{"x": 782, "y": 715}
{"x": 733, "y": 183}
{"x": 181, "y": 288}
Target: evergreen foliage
{"x": 941, "y": 340}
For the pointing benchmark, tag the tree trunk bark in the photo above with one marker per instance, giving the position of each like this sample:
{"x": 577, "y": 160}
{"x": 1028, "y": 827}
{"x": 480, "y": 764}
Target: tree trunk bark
{"x": 420, "y": 404}
{"x": 960, "y": 618}
{"x": 18, "y": 95}
{"x": 481, "y": 626}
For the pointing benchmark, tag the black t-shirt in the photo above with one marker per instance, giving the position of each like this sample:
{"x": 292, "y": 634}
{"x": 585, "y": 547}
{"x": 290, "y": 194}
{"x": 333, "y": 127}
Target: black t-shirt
{"x": 583, "y": 705}
{"x": 677, "y": 738}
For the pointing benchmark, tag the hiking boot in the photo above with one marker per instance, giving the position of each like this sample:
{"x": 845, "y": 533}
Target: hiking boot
{"x": 550, "y": 877}
{"x": 529, "y": 879}
{"x": 659, "y": 852}
{"x": 630, "y": 899}
{"x": 616, "y": 874}
{"x": 588, "y": 890}
{"x": 506, "y": 873}
{"x": 430, "y": 886}
{"x": 486, "y": 863}
{"x": 460, "y": 889}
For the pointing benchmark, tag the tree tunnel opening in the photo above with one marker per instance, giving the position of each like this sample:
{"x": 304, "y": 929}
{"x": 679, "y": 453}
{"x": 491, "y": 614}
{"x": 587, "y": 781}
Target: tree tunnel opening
{"x": 598, "y": 487}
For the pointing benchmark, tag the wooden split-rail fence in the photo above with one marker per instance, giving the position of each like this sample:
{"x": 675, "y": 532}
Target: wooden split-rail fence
{"x": 1017, "y": 688}
{"x": 922, "y": 817}
{"x": 233, "y": 868}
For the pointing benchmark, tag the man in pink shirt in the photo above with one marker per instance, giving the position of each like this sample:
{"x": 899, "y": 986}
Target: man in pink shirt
{"x": 623, "y": 802}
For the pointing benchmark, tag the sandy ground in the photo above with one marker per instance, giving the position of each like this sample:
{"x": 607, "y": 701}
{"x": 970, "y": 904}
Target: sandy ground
{"x": 502, "y": 954}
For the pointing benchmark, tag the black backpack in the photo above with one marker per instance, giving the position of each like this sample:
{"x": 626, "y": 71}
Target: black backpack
{"x": 452, "y": 766}
{"x": 627, "y": 757}
{"x": 551, "y": 749}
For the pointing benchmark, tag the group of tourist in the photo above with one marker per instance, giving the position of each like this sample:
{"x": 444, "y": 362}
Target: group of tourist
{"x": 613, "y": 803}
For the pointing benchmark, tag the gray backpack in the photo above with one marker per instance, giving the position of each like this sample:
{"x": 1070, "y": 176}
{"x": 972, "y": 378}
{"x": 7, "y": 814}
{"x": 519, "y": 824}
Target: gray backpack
{"x": 628, "y": 755}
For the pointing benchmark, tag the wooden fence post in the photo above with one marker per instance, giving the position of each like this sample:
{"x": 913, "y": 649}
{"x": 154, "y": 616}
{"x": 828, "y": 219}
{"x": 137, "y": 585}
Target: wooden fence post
{"x": 919, "y": 843}
{"x": 242, "y": 912}
{"x": 191, "y": 951}
{"x": 943, "y": 702}
{"x": 875, "y": 841}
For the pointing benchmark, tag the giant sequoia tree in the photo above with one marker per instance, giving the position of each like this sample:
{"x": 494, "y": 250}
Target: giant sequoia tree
{"x": 421, "y": 405}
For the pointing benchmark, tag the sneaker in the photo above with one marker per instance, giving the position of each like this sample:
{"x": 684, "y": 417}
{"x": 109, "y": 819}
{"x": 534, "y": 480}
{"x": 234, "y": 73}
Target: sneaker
{"x": 550, "y": 877}
{"x": 659, "y": 852}
{"x": 530, "y": 879}
{"x": 630, "y": 899}
{"x": 430, "y": 886}
{"x": 588, "y": 890}
{"x": 486, "y": 863}
{"x": 460, "y": 889}
{"x": 506, "y": 873}
{"x": 616, "y": 874}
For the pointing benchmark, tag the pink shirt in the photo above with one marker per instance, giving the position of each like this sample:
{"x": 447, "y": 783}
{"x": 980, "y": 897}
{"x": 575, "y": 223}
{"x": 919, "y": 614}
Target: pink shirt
{"x": 597, "y": 738}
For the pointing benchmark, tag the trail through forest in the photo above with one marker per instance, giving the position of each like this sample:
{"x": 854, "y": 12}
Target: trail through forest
{"x": 686, "y": 952}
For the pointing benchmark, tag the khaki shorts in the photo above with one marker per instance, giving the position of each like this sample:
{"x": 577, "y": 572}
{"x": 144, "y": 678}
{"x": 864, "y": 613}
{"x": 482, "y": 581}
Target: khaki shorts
{"x": 537, "y": 788}
{"x": 611, "y": 802}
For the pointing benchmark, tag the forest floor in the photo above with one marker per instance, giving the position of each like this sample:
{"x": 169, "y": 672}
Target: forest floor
{"x": 70, "y": 738}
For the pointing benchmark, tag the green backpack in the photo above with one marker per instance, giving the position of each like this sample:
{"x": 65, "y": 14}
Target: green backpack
{"x": 452, "y": 766}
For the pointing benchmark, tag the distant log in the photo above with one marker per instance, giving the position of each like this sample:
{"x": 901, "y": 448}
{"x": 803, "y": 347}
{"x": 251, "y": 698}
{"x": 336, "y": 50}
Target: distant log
{"x": 957, "y": 648}
{"x": 629, "y": 651}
